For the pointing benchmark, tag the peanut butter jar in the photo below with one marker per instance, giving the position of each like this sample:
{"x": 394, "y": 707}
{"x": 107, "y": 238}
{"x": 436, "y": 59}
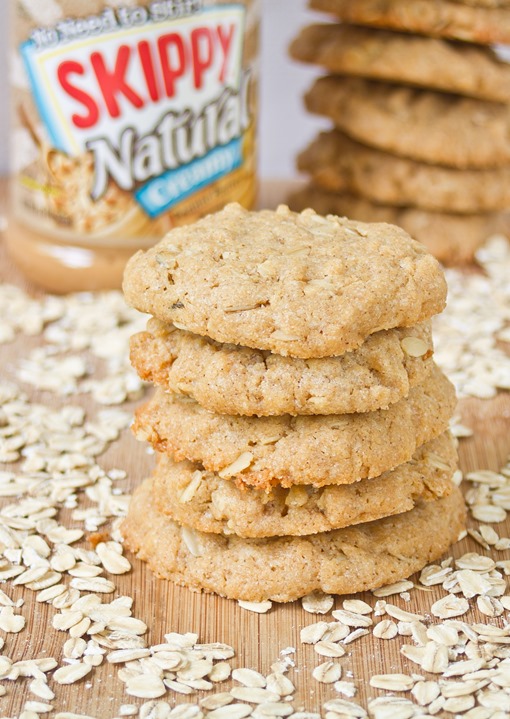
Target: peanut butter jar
{"x": 128, "y": 118}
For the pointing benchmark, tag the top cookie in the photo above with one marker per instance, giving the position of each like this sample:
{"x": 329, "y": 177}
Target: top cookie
{"x": 482, "y": 21}
{"x": 299, "y": 285}
{"x": 433, "y": 63}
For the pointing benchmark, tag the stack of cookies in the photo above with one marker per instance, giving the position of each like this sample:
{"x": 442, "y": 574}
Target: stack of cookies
{"x": 300, "y": 423}
{"x": 421, "y": 111}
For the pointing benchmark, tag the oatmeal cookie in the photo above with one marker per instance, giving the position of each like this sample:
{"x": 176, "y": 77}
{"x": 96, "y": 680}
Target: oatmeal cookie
{"x": 453, "y": 239}
{"x": 299, "y": 285}
{"x": 343, "y": 561}
{"x": 479, "y": 21}
{"x": 338, "y": 164}
{"x": 231, "y": 379}
{"x": 204, "y": 501}
{"x": 432, "y": 127}
{"x": 433, "y": 63}
{"x": 286, "y": 450}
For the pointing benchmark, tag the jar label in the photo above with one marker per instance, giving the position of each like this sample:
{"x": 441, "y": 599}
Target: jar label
{"x": 142, "y": 107}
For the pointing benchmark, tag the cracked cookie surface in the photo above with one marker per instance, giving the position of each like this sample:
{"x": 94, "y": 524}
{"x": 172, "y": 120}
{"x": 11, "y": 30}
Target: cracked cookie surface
{"x": 204, "y": 501}
{"x": 343, "y": 561}
{"x": 286, "y": 450}
{"x": 231, "y": 379}
{"x": 433, "y": 63}
{"x": 298, "y": 285}
{"x": 452, "y": 238}
{"x": 423, "y": 125}
{"x": 479, "y": 21}
{"x": 338, "y": 164}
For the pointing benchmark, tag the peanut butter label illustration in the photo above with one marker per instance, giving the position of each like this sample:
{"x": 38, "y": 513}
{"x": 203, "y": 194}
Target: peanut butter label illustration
{"x": 142, "y": 108}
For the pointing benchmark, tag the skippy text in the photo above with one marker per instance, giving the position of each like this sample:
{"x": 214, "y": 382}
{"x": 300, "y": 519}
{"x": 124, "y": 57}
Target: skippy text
{"x": 145, "y": 99}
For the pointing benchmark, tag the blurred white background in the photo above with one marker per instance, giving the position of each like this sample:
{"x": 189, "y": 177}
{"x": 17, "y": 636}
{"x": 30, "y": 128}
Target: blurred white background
{"x": 284, "y": 125}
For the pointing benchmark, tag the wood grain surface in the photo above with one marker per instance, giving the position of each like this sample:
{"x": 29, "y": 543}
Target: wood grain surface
{"x": 257, "y": 639}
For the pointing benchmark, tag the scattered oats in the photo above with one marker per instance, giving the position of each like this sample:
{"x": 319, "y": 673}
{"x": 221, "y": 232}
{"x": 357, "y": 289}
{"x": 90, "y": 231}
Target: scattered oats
{"x": 449, "y": 606}
{"x": 443, "y": 634}
{"x": 357, "y": 606}
{"x": 458, "y": 429}
{"x": 249, "y": 678}
{"x": 41, "y": 689}
{"x": 71, "y": 673}
{"x": 145, "y": 686}
{"x": 10, "y": 622}
{"x": 458, "y": 705}
{"x": 329, "y": 649}
{"x": 30, "y": 575}
{"x": 258, "y": 607}
{"x": 273, "y": 709}
{"x": 317, "y": 603}
{"x": 502, "y": 544}
{"x": 5, "y": 600}
{"x": 475, "y": 562}
{"x": 127, "y": 710}
{"x": 472, "y": 583}
{"x": 344, "y": 708}
{"x": 38, "y": 707}
{"x": 348, "y": 689}
{"x": 96, "y": 584}
{"x": 505, "y": 601}
{"x": 5, "y": 666}
{"x": 63, "y": 622}
{"x": 178, "y": 687}
{"x": 462, "y": 668}
{"x": 231, "y": 711}
{"x": 462, "y": 688}
{"x": 489, "y": 534}
{"x": 74, "y": 648}
{"x": 356, "y": 634}
{"x": 434, "y": 574}
{"x": 127, "y": 655}
{"x": 327, "y": 673}
{"x": 490, "y": 606}
{"x": 336, "y": 632}
{"x": 395, "y": 588}
{"x": 352, "y": 619}
{"x": 392, "y": 711}
{"x": 476, "y": 535}
{"x": 392, "y": 682}
{"x": 220, "y": 672}
{"x": 254, "y": 695}
{"x": 414, "y": 654}
{"x": 280, "y": 684}
{"x": 488, "y": 513}
{"x": 418, "y": 633}
{"x": 216, "y": 701}
{"x": 380, "y": 608}
{"x": 49, "y": 594}
{"x": 313, "y": 633}
{"x": 435, "y": 658}
{"x": 110, "y": 554}
{"x": 385, "y": 629}
{"x": 402, "y": 614}
{"x": 425, "y": 692}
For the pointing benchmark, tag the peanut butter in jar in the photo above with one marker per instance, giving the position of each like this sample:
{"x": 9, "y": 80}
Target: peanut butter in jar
{"x": 130, "y": 117}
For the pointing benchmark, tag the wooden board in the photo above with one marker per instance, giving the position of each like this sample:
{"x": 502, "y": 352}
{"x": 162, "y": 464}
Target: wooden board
{"x": 257, "y": 639}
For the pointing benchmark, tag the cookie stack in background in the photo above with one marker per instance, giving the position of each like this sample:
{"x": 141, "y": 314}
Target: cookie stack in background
{"x": 300, "y": 422}
{"x": 421, "y": 109}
